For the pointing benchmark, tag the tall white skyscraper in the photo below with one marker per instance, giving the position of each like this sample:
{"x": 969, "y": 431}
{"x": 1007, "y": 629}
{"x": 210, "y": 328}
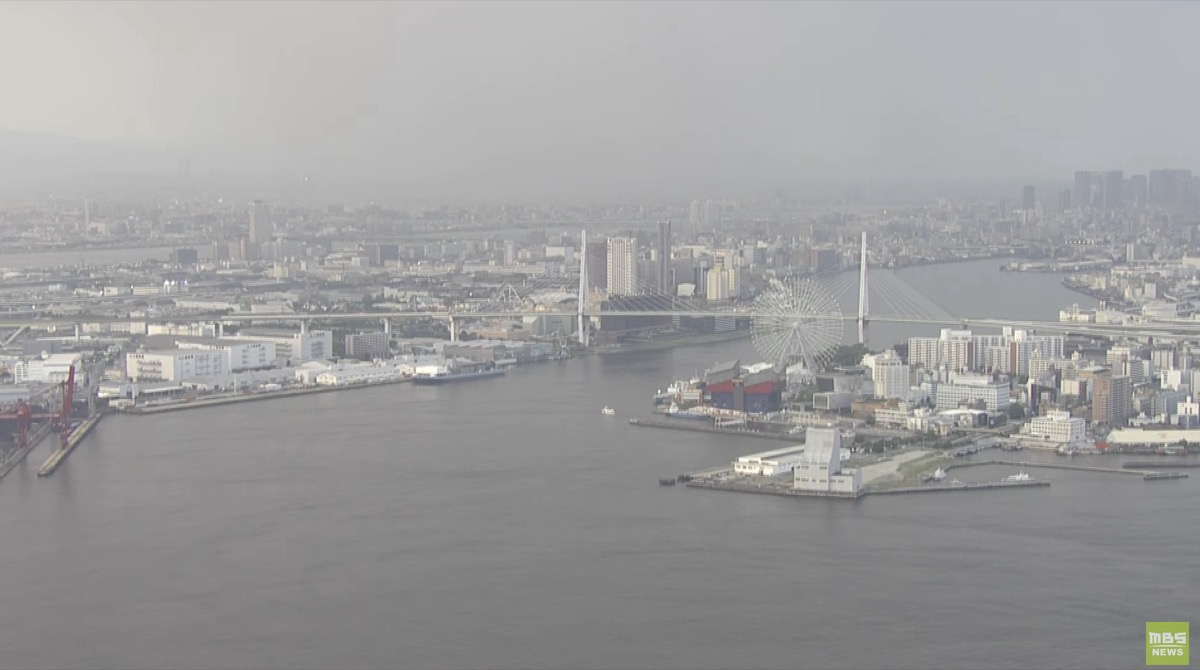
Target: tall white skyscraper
{"x": 622, "y": 266}
{"x": 890, "y": 375}
{"x": 261, "y": 229}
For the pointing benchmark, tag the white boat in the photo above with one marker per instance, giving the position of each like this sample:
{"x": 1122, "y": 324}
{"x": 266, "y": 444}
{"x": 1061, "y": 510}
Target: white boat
{"x": 1021, "y": 476}
{"x": 608, "y": 411}
{"x": 939, "y": 475}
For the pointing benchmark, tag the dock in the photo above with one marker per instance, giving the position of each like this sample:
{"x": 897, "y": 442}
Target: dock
{"x": 682, "y": 424}
{"x": 35, "y": 439}
{"x": 65, "y": 450}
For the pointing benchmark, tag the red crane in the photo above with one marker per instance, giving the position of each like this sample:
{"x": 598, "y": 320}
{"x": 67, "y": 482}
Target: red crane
{"x": 25, "y": 416}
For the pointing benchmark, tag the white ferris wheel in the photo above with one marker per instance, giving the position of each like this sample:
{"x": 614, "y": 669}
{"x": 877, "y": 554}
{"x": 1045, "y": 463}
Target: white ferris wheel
{"x": 797, "y": 323}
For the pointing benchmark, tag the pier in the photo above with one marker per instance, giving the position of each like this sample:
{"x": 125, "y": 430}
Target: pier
{"x": 65, "y": 450}
{"x": 672, "y": 425}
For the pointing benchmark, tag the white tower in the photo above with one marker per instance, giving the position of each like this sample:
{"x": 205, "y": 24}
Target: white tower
{"x": 583, "y": 290}
{"x": 862, "y": 293}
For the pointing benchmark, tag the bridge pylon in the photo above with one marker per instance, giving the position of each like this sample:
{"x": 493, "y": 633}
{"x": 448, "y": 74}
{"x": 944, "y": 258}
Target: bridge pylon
{"x": 582, "y": 309}
{"x": 862, "y": 292}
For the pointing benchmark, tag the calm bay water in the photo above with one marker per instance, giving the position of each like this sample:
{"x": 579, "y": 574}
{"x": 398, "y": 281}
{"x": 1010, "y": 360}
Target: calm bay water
{"x": 507, "y": 524}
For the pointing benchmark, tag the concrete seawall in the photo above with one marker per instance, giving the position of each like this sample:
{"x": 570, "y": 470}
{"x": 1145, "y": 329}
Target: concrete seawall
{"x": 672, "y": 425}
{"x": 1165, "y": 464}
{"x": 73, "y": 441}
{"x": 969, "y": 486}
{"x": 250, "y": 397}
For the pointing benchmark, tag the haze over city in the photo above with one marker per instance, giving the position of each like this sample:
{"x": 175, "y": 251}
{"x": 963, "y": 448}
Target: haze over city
{"x": 593, "y": 100}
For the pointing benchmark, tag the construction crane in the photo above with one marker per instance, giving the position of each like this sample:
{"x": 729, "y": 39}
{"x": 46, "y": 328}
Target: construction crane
{"x": 25, "y": 416}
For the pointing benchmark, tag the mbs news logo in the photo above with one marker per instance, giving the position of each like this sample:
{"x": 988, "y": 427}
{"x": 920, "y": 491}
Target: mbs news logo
{"x": 1167, "y": 643}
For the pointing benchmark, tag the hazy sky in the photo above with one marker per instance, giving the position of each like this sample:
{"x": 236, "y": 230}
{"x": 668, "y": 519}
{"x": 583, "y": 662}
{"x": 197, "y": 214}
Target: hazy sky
{"x": 538, "y": 98}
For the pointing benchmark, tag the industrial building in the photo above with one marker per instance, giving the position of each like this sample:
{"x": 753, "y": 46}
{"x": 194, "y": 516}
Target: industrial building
{"x": 175, "y": 365}
{"x": 769, "y": 463}
{"x": 820, "y": 470}
{"x": 995, "y": 396}
{"x": 497, "y": 351}
{"x": 293, "y": 346}
{"x": 368, "y": 345}
{"x": 239, "y": 354}
{"x": 756, "y": 389}
{"x": 357, "y": 373}
{"x": 48, "y": 369}
{"x": 1057, "y": 426}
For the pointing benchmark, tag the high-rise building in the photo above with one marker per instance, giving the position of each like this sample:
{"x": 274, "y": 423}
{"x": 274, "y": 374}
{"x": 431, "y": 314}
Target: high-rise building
{"x": 1112, "y": 182}
{"x": 622, "y": 266}
{"x": 1027, "y": 199}
{"x": 1081, "y": 196}
{"x": 596, "y": 257}
{"x": 261, "y": 229}
{"x": 889, "y": 375}
{"x": 717, "y": 281}
{"x": 1138, "y": 191}
{"x": 1169, "y": 188}
{"x": 367, "y": 345}
{"x": 185, "y": 257}
{"x": 1112, "y": 399}
{"x": 665, "y": 285}
{"x": 953, "y": 348}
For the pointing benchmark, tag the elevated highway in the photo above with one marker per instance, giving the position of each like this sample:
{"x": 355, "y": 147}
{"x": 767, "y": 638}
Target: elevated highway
{"x": 1171, "y": 328}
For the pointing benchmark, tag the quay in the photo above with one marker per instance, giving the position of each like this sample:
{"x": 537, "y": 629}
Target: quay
{"x": 775, "y": 490}
{"x": 1144, "y": 474}
{"x": 65, "y": 450}
{"x": 968, "y": 486}
{"x": 770, "y": 490}
{"x": 34, "y": 440}
{"x": 1052, "y": 466}
{"x": 249, "y": 397}
{"x": 672, "y": 425}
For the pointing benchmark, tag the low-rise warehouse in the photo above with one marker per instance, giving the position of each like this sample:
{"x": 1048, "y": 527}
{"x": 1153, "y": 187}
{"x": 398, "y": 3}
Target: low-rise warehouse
{"x": 769, "y": 463}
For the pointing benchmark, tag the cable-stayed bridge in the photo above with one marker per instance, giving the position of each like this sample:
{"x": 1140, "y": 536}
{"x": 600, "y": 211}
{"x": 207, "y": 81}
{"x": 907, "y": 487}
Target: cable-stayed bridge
{"x": 804, "y": 309}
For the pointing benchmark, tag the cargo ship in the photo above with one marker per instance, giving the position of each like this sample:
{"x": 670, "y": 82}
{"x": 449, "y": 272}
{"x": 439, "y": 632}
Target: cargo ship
{"x": 443, "y": 375}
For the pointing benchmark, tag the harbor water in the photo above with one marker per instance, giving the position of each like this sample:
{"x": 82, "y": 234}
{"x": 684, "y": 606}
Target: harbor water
{"x": 509, "y": 524}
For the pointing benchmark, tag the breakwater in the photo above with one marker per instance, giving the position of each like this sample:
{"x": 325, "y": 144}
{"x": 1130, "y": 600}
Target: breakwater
{"x": 65, "y": 450}
{"x": 968, "y": 486}
{"x": 1144, "y": 474}
{"x": 681, "y": 425}
{"x": 1146, "y": 465}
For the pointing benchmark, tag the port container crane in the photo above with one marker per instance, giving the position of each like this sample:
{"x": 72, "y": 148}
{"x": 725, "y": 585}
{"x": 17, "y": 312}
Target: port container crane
{"x": 25, "y": 415}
